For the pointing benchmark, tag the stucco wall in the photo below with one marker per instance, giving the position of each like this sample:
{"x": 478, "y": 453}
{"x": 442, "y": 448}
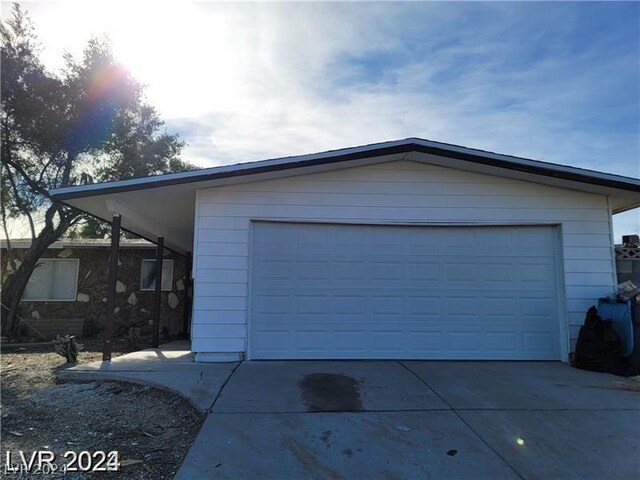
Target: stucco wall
{"x": 388, "y": 193}
{"x": 134, "y": 308}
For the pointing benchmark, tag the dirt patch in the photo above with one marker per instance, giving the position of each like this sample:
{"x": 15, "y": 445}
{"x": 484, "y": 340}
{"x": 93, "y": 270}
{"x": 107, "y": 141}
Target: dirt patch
{"x": 151, "y": 429}
{"x": 631, "y": 383}
{"x": 329, "y": 392}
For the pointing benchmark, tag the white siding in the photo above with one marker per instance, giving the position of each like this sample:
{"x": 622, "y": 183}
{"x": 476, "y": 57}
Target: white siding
{"x": 395, "y": 192}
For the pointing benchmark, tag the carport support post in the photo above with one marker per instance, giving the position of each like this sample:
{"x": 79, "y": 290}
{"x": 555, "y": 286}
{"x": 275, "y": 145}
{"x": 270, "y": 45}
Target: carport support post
{"x": 107, "y": 345}
{"x": 158, "y": 291}
{"x": 187, "y": 295}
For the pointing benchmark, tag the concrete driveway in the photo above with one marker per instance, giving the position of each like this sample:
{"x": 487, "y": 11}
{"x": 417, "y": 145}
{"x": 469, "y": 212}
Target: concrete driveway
{"x": 418, "y": 420}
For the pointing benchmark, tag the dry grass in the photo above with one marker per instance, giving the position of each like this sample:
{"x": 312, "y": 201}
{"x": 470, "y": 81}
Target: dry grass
{"x": 631, "y": 383}
{"x": 151, "y": 429}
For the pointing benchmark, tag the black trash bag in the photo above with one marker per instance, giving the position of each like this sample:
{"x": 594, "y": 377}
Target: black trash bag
{"x": 599, "y": 347}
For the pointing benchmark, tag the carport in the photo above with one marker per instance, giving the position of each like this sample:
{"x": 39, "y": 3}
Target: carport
{"x": 410, "y": 249}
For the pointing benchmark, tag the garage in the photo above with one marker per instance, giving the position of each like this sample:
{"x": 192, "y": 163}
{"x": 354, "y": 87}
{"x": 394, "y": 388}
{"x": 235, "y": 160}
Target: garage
{"x": 410, "y": 249}
{"x": 339, "y": 291}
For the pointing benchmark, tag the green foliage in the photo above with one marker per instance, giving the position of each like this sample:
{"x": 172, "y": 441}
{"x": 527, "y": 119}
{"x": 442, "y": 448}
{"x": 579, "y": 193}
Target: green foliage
{"x": 88, "y": 123}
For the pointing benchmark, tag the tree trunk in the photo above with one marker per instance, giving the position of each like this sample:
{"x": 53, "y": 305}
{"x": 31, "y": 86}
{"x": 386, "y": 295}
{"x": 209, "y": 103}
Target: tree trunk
{"x": 14, "y": 286}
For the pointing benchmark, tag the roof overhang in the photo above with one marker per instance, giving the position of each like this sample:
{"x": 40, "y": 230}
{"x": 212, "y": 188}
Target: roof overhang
{"x": 75, "y": 243}
{"x": 164, "y": 205}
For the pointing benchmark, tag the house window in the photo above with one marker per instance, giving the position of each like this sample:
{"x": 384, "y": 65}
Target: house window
{"x": 54, "y": 279}
{"x": 148, "y": 274}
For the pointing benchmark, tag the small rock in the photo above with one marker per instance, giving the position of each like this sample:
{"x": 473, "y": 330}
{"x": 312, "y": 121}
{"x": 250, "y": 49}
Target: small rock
{"x": 35, "y": 314}
{"x": 116, "y": 310}
{"x": 104, "y": 299}
{"x": 132, "y": 300}
{"x": 180, "y": 284}
{"x": 83, "y": 297}
{"x": 120, "y": 287}
{"x": 173, "y": 300}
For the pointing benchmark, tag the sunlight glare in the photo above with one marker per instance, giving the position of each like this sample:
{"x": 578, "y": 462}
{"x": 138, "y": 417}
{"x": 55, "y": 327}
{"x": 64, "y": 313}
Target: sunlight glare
{"x": 178, "y": 51}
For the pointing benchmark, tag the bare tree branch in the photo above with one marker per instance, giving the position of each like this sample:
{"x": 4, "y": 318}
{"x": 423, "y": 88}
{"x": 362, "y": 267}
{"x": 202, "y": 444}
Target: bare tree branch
{"x": 26, "y": 177}
{"x": 46, "y": 167}
{"x": 71, "y": 158}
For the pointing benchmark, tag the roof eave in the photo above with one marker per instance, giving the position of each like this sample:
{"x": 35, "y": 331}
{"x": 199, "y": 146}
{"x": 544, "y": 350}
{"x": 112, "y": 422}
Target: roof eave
{"x": 389, "y": 148}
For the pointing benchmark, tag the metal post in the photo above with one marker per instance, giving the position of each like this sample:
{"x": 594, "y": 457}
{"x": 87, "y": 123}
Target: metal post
{"x": 107, "y": 345}
{"x": 187, "y": 296}
{"x": 158, "y": 290}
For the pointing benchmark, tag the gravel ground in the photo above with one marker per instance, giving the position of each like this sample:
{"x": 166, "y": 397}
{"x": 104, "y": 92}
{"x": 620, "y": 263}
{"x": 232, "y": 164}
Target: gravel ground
{"x": 150, "y": 429}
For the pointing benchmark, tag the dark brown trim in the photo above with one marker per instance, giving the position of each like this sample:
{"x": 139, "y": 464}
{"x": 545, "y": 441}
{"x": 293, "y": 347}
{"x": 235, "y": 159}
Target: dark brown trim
{"x": 331, "y": 159}
{"x": 158, "y": 292}
{"x": 107, "y": 345}
{"x": 188, "y": 296}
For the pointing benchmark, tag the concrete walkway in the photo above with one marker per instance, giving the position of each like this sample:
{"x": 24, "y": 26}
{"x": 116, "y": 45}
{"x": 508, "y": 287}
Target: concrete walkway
{"x": 170, "y": 367}
{"x": 438, "y": 420}
{"x": 386, "y": 419}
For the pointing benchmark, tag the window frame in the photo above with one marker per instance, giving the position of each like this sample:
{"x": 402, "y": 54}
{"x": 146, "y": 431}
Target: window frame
{"x": 170, "y": 289}
{"x": 75, "y": 285}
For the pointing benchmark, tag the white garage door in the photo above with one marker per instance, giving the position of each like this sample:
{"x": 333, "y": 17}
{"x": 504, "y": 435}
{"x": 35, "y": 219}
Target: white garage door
{"x": 397, "y": 292}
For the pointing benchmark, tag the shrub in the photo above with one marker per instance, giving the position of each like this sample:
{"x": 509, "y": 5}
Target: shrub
{"x": 134, "y": 339}
{"x": 67, "y": 347}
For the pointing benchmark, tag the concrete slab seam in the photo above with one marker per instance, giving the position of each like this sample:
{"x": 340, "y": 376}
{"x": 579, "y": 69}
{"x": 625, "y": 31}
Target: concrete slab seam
{"x": 463, "y": 420}
{"x": 210, "y": 409}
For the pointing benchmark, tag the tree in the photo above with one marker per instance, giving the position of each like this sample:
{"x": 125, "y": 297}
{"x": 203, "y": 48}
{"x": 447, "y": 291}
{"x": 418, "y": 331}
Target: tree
{"x": 89, "y": 123}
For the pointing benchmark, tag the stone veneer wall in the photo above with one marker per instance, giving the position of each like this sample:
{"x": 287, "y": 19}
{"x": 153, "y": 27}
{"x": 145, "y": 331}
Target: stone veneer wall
{"x": 86, "y": 316}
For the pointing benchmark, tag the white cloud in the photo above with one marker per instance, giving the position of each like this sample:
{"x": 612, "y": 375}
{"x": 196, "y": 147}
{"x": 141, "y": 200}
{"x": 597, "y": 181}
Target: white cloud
{"x": 247, "y": 82}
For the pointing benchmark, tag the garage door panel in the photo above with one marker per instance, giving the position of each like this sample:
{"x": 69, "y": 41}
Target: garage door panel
{"x": 496, "y": 272}
{"x": 274, "y": 238}
{"x": 506, "y": 342}
{"x": 349, "y": 269}
{"x": 311, "y": 304}
{"x": 499, "y": 306}
{"x": 540, "y": 342}
{"x": 410, "y": 301}
{"x": 273, "y": 269}
{"x": 536, "y": 307}
{"x": 340, "y": 291}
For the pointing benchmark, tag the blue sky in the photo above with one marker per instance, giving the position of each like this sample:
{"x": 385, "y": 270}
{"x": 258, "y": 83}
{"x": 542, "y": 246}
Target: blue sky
{"x": 552, "y": 81}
